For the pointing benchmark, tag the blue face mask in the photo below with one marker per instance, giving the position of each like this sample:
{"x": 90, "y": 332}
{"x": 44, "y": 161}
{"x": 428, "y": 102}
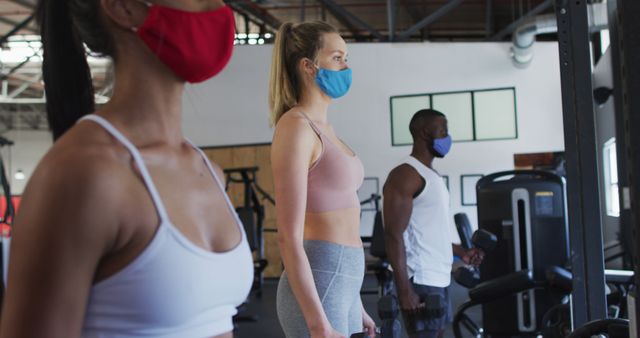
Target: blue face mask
{"x": 334, "y": 83}
{"x": 442, "y": 145}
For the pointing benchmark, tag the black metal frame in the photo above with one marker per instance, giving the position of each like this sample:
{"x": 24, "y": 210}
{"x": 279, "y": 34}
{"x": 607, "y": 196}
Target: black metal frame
{"x": 587, "y": 259}
{"x": 624, "y": 29}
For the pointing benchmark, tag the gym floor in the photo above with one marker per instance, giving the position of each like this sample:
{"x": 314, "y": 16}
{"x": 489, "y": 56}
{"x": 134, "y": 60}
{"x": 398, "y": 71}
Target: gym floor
{"x": 267, "y": 326}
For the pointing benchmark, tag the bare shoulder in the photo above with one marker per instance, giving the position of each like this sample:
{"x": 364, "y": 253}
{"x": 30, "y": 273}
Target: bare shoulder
{"x": 295, "y": 144}
{"x": 84, "y": 174}
{"x": 403, "y": 178}
{"x": 293, "y": 124}
{"x": 86, "y": 156}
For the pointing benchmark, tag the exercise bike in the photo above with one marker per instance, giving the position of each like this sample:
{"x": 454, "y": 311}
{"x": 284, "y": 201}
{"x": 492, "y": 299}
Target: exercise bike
{"x": 556, "y": 321}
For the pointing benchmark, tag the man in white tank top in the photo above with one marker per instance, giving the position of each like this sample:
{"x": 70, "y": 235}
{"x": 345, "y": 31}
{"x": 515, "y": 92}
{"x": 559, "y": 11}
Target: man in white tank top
{"x": 418, "y": 229}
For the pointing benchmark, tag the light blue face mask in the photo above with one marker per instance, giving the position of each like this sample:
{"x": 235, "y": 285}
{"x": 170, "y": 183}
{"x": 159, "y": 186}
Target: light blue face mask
{"x": 335, "y": 83}
{"x": 442, "y": 145}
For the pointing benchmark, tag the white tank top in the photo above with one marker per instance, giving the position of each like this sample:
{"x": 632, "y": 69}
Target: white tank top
{"x": 174, "y": 288}
{"x": 427, "y": 238}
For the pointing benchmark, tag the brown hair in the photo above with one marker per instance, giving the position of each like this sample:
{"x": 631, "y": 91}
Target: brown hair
{"x": 293, "y": 43}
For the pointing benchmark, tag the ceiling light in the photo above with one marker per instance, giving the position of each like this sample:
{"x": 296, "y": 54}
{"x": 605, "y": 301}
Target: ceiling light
{"x": 19, "y": 175}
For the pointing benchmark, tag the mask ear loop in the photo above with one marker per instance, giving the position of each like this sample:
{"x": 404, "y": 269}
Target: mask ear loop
{"x": 316, "y": 66}
{"x": 146, "y": 3}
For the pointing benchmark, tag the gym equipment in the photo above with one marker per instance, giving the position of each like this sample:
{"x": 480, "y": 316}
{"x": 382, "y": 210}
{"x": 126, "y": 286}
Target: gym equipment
{"x": 557, "y": 283}
{"x": 623, "y": 25}
{"x": 252, "y": 216}
{"x": 463, "y": 226}
{"x": 433, "y": 307}
{"x": 388, "y": 310}
{"x": 526, "y": 210}
{"x": 489, "y": 291}
{"x": 612, "y": 328}
{"x": 469, "y": 277}
{"x": 381, "y": 266}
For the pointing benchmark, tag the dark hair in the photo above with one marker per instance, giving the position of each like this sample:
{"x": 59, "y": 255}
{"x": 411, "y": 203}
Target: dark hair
{"x": 423, "y": 118}
{"x": 65, "y": 26}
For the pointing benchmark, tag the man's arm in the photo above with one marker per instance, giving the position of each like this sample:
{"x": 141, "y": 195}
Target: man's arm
{"x": 402, "y": 184}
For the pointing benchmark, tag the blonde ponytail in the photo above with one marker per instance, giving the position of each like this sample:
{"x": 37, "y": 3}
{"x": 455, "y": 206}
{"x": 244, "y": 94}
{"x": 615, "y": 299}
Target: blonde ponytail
{"x": 282, "y": 94}
{"x": 293, "y": 43}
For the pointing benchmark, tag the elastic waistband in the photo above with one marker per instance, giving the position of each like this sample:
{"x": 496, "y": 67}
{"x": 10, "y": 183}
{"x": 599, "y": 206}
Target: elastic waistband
{"x": 335, "y": 258}
{"x": 311, "y": 243}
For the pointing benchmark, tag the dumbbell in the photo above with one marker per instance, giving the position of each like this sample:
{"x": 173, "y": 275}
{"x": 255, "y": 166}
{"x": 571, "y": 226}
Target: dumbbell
{"x": 388, "y": 310}
{"x": 470, "y": 277}
{"x": 432, "y": 307}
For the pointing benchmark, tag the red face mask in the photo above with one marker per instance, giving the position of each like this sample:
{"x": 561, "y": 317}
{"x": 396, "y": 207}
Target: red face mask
{"x": 194, "y": 45}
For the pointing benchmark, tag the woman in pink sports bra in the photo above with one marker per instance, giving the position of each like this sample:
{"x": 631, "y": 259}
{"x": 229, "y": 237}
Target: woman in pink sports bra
{"x": 125, "y": 229}
{"x": 316, "y": 179}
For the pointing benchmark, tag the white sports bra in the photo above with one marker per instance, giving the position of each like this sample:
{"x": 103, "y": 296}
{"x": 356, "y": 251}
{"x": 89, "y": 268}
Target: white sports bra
{"x": 174, "y": 288}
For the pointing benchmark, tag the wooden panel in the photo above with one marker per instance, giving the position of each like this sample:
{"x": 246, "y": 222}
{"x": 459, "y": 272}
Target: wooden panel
{"x": 272, "y": 254}
{"x": 253, "y": 156}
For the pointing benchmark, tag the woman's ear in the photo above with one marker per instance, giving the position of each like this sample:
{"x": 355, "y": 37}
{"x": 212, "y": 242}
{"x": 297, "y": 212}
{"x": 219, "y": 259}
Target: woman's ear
{"x": 307, "y": 67}
{"x": 127, "y": 14}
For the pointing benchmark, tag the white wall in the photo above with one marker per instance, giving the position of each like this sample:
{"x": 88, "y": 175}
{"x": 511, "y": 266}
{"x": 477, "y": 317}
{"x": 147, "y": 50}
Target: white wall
{"x": 29, "y": 147}
{"x": 232, "y": 108}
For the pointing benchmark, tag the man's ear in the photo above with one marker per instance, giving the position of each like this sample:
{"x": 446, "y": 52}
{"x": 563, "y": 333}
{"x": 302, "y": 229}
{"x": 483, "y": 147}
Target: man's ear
{"x": 425, "y": 133}
{"x": 127, "y": 14}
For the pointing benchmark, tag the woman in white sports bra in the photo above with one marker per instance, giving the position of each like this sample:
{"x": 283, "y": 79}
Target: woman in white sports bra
{"x": 125, "y": 229}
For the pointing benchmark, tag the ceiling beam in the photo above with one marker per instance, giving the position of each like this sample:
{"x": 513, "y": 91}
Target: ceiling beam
{"x": 333, "y": 7}
{"x": 14, "y": 23}
{"x": 512, "y": 26}
{"x": 392, "y": 12}
{"x": 342, "y": 19}
{"x": 415, "y": 13}
{"x": 27, "y": 84}
{"x": 411, "y": 11}
{"x": 488, "y": 17}
{"x": 433, "y": 17}
{"x": 16, "y": 29}
{"x": 259, "y": 15}
{"x": 23, "y": 3}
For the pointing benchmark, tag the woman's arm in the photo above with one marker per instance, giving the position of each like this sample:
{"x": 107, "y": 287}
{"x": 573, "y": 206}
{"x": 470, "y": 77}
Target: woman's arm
{"x": 66, "y": 223}
{"x": 292, "y": 151}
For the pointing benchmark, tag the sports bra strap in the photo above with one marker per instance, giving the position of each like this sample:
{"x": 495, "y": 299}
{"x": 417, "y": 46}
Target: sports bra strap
{"x": 146, "y": 177}
{"x": 218, "y": 181}
{"x": 313, "y": 125}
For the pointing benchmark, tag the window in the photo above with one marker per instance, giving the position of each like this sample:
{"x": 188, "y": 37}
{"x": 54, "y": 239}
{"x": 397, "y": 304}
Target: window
{"x": 473, "y": 115}
{"x": 611, "y": 178}
{"x": 402, "y": 110}
{"x": 604, "y": 40}
{"x": 495, "y": 115}
{"x": 459, "y": 110}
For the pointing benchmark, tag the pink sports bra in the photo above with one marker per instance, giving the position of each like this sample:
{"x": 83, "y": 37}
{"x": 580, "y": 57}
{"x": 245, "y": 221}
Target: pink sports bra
{"x": 334, "y": 179}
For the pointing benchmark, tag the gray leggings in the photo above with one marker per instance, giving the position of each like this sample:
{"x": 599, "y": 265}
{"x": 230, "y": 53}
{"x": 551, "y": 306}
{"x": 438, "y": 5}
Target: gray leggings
{"x": 338, "y": 272}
